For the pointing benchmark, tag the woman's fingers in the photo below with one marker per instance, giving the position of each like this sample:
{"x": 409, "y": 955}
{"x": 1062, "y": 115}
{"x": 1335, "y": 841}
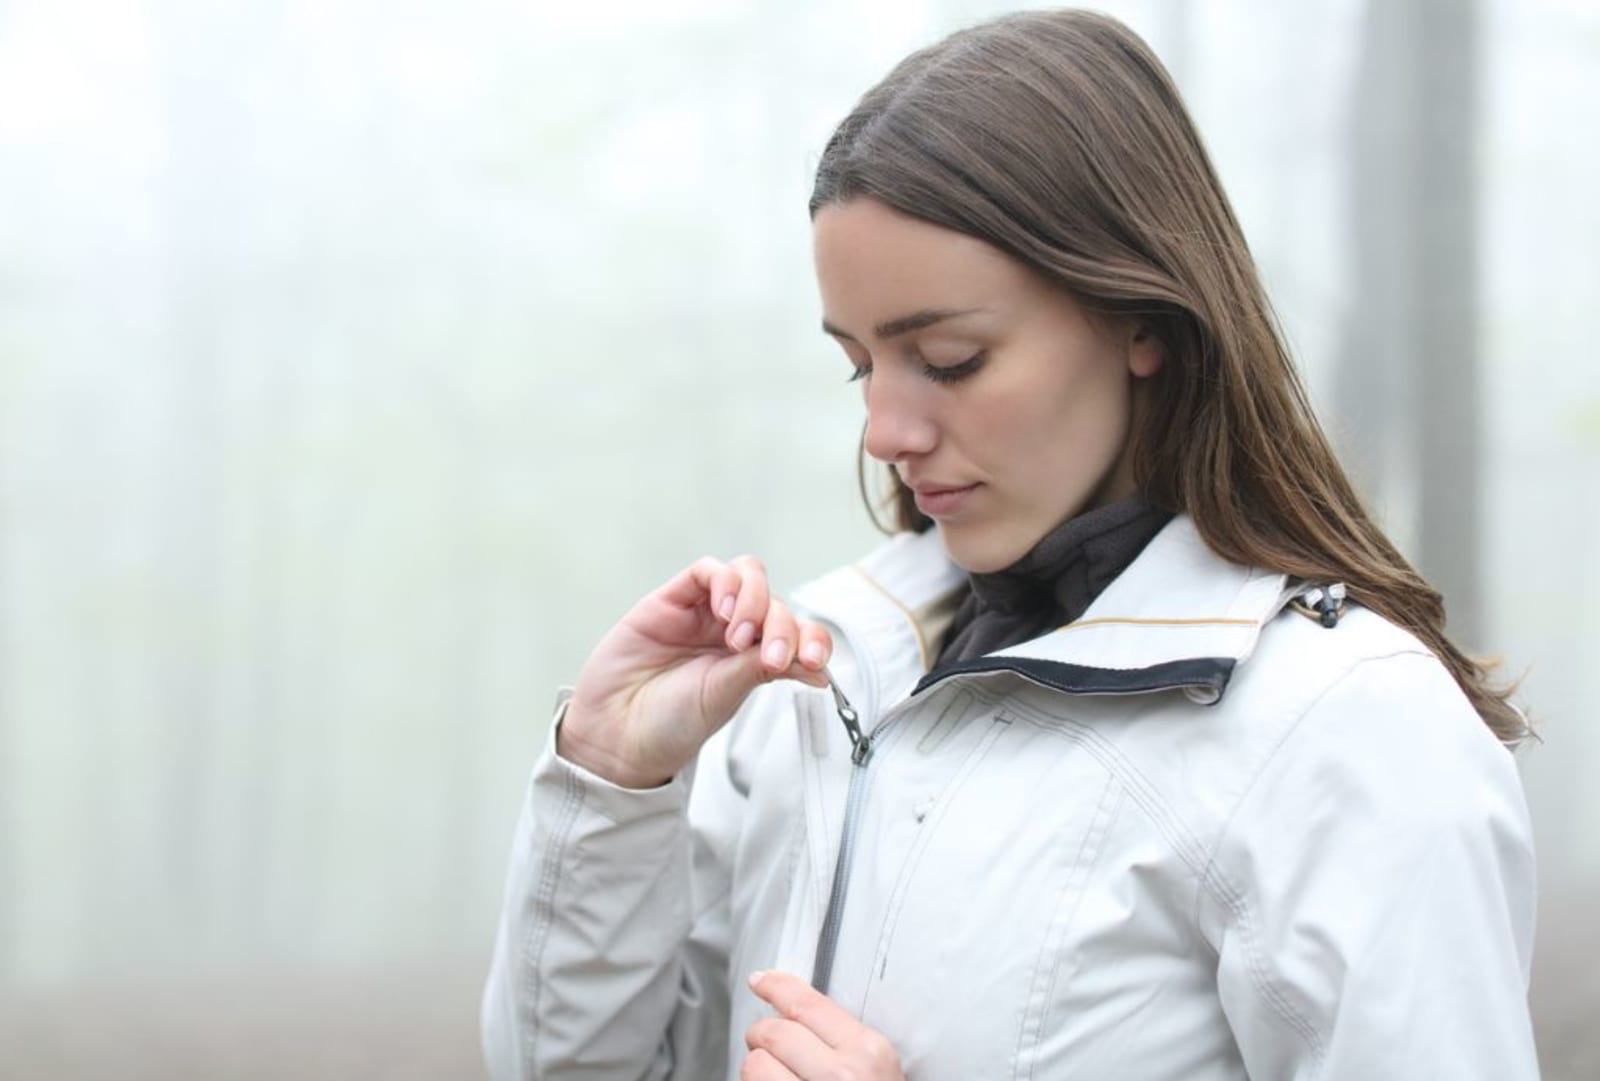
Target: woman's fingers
{"x": 724, "y": 591}
{"x": 794, "y": 648}
{"x": 780, "y": 638}
{"x": 750, "y": 604}
{"x": 733, "y": 593}
{"x": 816, "y": 646}
{"x": 760, "y": 1065}
{"x": 814, "y": 1036}
{"x": 797, "y": 1001}
{"x": 738, "y": 594}
{"x": 809, "y": 659}
{"x": 694, "y": 584}
{"x": 792, "y": 1045}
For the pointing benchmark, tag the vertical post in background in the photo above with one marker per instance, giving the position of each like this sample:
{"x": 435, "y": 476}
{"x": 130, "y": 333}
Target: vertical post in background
{"x": 1449, "y": 419}
{"x": 202, "y": 213}
{"x": 1408, "y": 381}
{"x": 10, "y": 835}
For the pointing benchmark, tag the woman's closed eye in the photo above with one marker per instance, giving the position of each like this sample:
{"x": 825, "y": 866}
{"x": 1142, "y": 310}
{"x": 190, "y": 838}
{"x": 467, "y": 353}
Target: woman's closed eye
{"x": 953, "y": 373}
{"x": 945, "y": 373}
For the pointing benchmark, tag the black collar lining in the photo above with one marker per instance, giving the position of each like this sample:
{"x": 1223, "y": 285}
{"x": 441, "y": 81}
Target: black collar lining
{"x": 1211, "y": 673}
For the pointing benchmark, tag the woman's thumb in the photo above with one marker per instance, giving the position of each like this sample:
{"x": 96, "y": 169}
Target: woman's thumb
{"x": 731, "y": 680}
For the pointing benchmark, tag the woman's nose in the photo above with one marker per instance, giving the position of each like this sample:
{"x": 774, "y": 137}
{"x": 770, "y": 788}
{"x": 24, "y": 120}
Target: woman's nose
{"x": 897, "y": 428}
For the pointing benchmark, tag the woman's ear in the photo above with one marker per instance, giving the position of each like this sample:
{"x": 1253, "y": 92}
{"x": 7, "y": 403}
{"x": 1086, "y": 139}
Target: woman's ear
{"x": 1145, "y": 353}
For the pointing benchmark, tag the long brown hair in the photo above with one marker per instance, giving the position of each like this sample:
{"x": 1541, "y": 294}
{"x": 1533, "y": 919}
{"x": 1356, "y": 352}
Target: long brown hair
{"x": 1059, "y": 138}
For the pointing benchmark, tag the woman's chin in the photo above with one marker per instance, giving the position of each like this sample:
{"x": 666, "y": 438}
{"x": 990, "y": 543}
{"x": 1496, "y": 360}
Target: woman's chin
{"x": 979, "y": 550}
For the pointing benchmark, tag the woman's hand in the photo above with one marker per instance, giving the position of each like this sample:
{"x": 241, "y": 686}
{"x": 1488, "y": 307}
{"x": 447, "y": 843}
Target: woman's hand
{"x": 678, "y": 665}
{"x": 813, "y": 1038}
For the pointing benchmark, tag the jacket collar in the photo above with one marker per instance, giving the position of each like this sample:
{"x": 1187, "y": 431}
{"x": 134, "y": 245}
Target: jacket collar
{"x": 1180, "y": 616}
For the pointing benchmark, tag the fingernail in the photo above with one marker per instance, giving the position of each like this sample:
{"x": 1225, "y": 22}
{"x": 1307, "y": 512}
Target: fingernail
{"x": 725, "y": 609}
{"x": 743, "y": 635}
{"x": 755, "y": 977}
{"x": 813, "y": 652}
{"x": 775, "y": 653}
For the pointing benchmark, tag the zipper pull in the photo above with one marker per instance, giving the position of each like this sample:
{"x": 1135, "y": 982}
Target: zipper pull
{"x": 860, "y": 744}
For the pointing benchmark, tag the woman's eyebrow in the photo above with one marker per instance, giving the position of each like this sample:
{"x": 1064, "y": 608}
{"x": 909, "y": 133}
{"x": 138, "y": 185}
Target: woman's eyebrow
{"x": 905, "y": 324}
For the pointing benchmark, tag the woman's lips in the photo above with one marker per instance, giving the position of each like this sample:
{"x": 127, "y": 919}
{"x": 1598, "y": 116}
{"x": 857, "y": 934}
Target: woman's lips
{"x": 942, "y": 502}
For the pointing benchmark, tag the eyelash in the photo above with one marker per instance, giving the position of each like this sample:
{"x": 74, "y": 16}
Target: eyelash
{"x": 952, "y": 373}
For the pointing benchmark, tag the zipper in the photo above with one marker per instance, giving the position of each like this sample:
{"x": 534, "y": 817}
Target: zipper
{"x": 860, "y": 758}
{"x": 828, "y": 940}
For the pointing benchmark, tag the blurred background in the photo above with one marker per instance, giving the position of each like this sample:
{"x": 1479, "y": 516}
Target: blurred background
{"x": 360, "y": 362}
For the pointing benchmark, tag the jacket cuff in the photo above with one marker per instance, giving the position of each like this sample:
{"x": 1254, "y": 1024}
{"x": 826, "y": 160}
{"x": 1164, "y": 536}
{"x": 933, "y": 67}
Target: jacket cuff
{"x": 614, "y": 802}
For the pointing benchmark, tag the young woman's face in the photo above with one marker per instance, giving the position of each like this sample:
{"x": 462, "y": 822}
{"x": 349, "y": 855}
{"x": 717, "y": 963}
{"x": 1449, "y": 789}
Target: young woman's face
{"x": 994, "y": 396}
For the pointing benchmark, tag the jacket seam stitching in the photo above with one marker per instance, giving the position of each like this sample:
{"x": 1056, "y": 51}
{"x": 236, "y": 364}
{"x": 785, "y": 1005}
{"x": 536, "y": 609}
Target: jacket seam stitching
{"x": 1188, "y": 848}
{"x": 1185, "y": 845}
{"x": 1072, "y": 891}
{"x": 538, "y": 936}
{"x": 1214, "y": 882}
{"x": 901, "y": 889}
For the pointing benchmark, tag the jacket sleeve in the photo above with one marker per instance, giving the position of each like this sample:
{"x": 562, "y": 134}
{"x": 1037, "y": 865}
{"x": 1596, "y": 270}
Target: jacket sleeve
{"x": 610, "y": 963}
{"x": 1372, "y": 900}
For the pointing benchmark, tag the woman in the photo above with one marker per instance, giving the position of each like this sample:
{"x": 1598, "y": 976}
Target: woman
{"x": 1137, "y": 752}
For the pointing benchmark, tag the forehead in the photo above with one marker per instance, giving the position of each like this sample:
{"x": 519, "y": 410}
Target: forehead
{"x": 874, "y": 262}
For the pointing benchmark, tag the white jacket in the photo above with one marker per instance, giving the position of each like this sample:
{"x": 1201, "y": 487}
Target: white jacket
{"x": 1192, "y": 835}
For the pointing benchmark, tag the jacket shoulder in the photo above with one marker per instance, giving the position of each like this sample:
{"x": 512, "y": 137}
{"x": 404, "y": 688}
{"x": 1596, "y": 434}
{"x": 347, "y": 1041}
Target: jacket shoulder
{"x": 1297, "y": 659}
{"x": 1347, "y": 708}
{"x": 1366, "y": 711}
{"x": 1377, "y": 848}
{"x": 1365, "y": 656}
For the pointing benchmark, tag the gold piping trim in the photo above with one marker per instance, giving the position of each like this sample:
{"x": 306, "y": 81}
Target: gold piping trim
{"x": 922, "y": 644}
{"x": 1157, "y": 622}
